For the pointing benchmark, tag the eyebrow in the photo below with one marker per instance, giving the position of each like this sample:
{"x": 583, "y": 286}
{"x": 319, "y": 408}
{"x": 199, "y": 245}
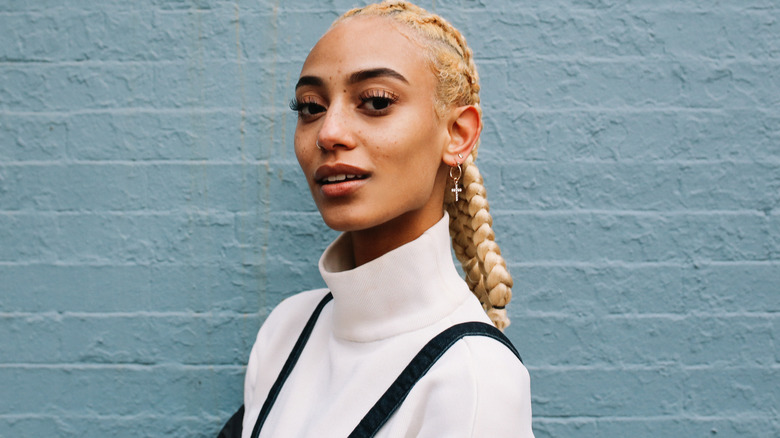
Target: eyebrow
{"x": 309, "y": 80}
{"x": 358, "y": 76}
{"x": 363, "y": 75}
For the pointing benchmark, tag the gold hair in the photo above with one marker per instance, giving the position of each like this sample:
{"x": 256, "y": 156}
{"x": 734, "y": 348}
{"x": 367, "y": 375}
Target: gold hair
{"x": 471, "y": 225}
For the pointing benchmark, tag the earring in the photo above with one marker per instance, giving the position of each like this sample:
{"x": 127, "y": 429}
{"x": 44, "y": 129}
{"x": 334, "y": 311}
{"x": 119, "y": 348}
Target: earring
{"x": 455, "y": 179}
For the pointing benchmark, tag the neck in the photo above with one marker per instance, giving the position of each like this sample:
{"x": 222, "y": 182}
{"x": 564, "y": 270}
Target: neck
{"x": 371, "y": 243}
{"x": 377, "y": 241}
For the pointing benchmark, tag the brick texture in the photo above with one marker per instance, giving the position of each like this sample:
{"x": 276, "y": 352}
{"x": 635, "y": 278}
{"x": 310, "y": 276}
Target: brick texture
{"x": 152, "y": 212}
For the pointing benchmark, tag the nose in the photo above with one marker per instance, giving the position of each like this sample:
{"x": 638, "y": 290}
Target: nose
{"x": 336, "y": 129}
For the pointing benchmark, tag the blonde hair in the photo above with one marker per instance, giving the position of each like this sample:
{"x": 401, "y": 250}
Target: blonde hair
{"x": 471, "y": 225}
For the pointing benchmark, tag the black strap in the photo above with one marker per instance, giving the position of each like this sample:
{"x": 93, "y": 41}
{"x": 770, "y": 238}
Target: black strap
{"x": 288, "y": 365}
{"x": 233, "y": 427}
{"x": 417, "y": 368}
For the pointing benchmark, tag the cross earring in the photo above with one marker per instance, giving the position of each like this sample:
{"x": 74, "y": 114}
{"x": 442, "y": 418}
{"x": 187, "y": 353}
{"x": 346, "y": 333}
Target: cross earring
{"x": 456, "y": 178}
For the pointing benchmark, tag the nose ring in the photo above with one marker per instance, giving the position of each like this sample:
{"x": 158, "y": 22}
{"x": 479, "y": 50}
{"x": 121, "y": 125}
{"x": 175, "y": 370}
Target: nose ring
{"x": 319, "y": 146}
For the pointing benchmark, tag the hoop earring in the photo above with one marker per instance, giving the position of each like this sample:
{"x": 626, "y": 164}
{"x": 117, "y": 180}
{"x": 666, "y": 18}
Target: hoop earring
{"x": 455, "y": 179}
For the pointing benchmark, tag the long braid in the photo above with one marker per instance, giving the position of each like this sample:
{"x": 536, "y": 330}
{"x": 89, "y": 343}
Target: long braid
{"x": 471, "y": 225}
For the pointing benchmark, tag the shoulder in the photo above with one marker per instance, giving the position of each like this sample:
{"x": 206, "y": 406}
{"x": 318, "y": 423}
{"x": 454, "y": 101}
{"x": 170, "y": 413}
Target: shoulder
{"x": 502, "y": 388}
{"x": 486, "y": 384}
{"x": 289, "y": 317}
{"x": 300, "y": 303}
{"x": 278, "y": 334}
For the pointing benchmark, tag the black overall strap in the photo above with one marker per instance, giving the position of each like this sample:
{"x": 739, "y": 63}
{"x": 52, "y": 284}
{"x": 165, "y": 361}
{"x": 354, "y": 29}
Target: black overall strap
{"x": 288, "y": 365}
{"x": 428, "y": 355}
{"x": 233, "y": 428}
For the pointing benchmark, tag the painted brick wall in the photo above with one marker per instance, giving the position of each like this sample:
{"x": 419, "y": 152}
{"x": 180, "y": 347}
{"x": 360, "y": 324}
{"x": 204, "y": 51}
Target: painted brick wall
{"x": 152, "y": 212}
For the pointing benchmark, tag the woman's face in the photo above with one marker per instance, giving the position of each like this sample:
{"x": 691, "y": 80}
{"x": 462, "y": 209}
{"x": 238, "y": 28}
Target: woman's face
{"x": 366, "y": 94}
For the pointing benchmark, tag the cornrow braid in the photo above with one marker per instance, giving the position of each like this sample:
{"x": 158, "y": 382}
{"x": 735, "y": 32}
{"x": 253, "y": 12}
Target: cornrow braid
{"x": 471, "y": 225}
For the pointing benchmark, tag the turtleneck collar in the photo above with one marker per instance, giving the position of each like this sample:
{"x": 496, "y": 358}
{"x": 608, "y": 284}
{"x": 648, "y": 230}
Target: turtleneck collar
{"x": 410, "y": 287}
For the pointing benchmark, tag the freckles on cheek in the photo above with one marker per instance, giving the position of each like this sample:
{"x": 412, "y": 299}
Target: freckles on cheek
{"x": 300, "y": 153}
{"x": 297, "y": 148}
{"x": 388, "y": 149}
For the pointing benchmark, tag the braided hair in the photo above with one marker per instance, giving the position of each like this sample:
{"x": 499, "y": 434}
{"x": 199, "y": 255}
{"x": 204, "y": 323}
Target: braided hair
{"x": 471, "y": 225}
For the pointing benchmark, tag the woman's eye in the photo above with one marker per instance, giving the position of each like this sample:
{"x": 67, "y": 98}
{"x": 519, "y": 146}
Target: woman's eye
{"x": 378, "y": 102}
{"x": 312, "y": 109}
{"x": 306, "y": 108}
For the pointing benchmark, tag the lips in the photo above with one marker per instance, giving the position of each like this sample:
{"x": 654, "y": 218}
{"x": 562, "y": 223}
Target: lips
{"x": 333, "y": 179}
{"x": 339, "y": 173}
{"x": 339, "y": 180}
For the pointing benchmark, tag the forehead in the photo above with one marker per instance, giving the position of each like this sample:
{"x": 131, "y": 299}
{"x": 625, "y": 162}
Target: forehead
{"x": 360, "y": 43}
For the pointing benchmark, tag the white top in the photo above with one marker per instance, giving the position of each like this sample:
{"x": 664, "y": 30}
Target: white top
{"x": 382, "y": 314}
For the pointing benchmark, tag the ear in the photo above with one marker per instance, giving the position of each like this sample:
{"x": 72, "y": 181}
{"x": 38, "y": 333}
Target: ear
{"x": 464, "y": 126}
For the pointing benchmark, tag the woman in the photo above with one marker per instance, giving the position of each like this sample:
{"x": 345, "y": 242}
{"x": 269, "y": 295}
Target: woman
{"x": 388, "y": 124}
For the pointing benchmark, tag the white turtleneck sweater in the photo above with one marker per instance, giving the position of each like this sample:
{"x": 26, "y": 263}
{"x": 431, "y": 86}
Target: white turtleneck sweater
{"x": 382, "y": 314}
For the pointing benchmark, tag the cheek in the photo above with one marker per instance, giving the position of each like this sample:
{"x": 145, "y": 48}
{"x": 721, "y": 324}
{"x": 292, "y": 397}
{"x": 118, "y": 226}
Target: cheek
{"x": 302, "y": 153}
{"x": 424, "y": 147}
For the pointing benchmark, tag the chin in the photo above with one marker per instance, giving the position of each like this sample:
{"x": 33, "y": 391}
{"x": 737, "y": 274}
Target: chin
{"x": 340, "y": 221}
{"x": 350, "y": 219}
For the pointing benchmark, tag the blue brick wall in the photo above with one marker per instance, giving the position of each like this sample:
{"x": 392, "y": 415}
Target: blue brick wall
{"x": 152, "y": 212}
